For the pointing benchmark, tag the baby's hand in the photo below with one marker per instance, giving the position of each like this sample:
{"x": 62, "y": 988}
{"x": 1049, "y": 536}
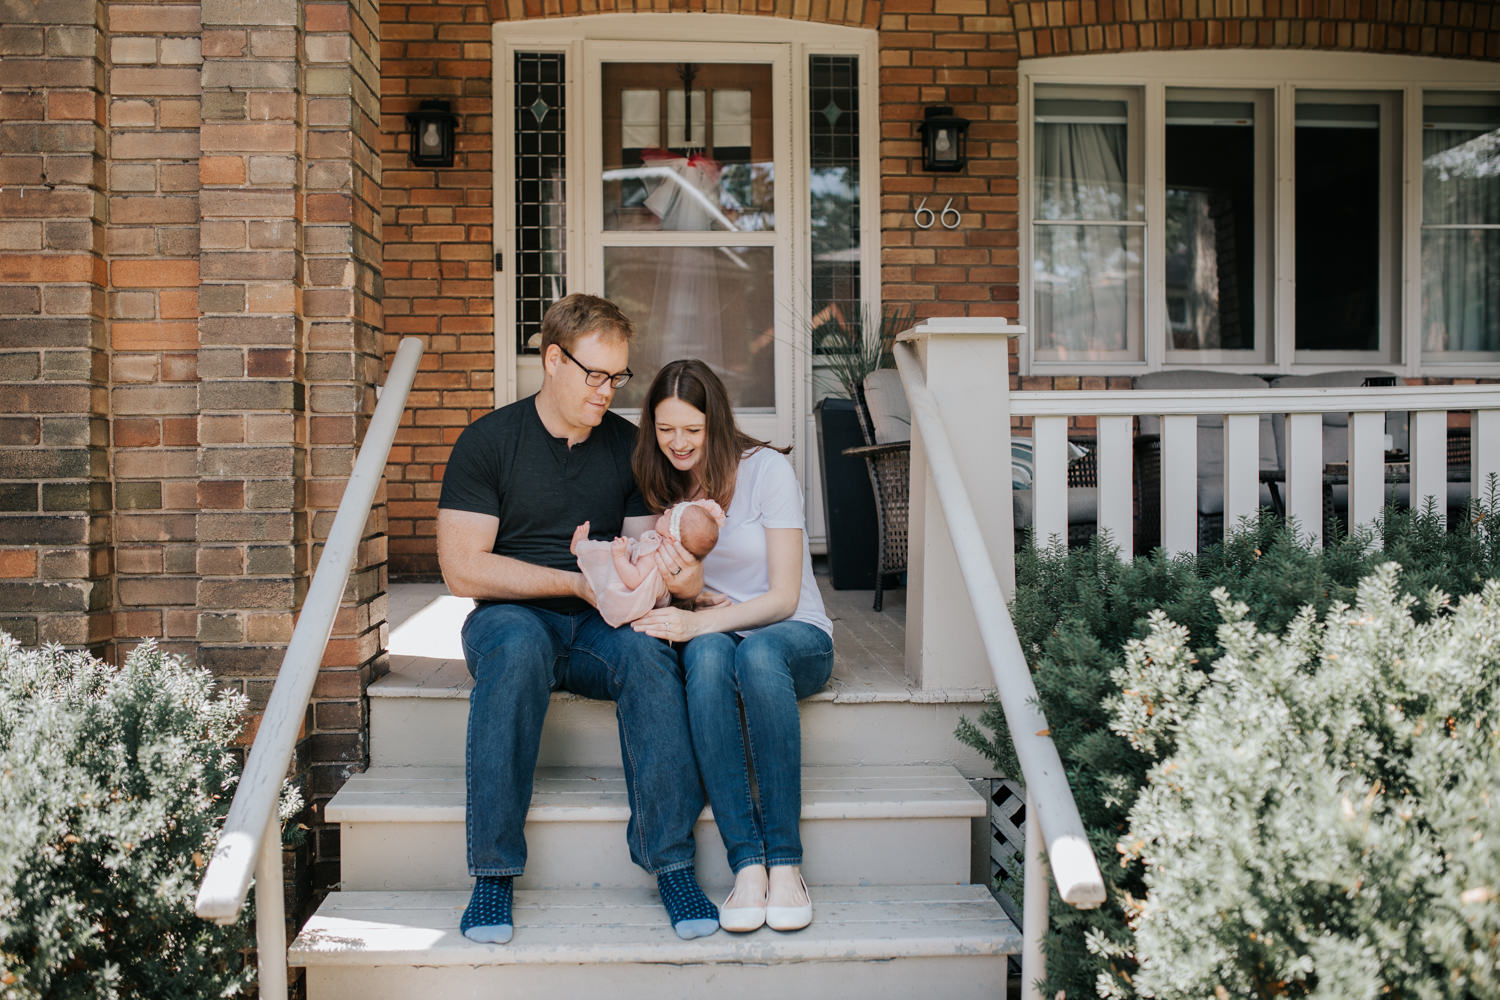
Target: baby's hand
{"x": 619, "y": 546}
{"x": 580, "y": 534}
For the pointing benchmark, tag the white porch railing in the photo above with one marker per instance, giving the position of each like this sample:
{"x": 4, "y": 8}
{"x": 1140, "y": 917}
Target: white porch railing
{"x": 1051, "y": 813}
{"x": 1301, "y": 475}
{"x": 251, "y": 839}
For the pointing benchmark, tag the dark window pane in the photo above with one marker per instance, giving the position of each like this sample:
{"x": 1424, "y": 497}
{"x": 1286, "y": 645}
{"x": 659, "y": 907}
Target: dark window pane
{"x": 1210, "y": 226}
{"x": 833, "y": 125}
{"x": 540, "y": 161}
{"x": 1338, "y": 228}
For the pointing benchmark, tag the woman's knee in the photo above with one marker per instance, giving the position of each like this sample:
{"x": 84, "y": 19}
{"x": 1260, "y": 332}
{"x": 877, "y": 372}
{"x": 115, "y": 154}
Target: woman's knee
{"x": 768, "y": 663}
{"x": 708, "y": 661}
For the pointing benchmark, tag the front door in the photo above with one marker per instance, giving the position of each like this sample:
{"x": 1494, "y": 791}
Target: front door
{"x": 687, "y": 221}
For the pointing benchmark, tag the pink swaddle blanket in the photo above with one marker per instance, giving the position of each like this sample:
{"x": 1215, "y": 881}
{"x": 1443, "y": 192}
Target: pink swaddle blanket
{"x": 617, "y": 603}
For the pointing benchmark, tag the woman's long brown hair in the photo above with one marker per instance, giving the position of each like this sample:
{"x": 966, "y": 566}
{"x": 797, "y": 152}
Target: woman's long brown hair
{"x": 724, "y": 444}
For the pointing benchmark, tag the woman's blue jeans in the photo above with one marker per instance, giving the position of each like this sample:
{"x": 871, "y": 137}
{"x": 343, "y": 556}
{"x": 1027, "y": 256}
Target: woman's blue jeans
{"x": 766, "y": 671}
{"x": 518, "y": 655}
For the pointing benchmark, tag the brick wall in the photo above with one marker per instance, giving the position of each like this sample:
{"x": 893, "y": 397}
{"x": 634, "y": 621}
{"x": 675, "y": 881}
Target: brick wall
{"x": 438, "y": 256}
{"x": 54, "y": 498}
{"x": 958, "y": 52}
{"x": 190, "y": 337}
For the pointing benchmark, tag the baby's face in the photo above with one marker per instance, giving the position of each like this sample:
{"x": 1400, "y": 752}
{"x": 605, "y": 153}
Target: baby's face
{"x": 664, "y": 525}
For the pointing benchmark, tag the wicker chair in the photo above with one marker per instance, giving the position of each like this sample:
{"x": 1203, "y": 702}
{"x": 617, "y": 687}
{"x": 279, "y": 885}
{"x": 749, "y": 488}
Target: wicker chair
{"x": 889, "y": 465}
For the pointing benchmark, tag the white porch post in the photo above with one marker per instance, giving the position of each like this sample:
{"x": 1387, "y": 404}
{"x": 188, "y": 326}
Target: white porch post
{"x": 968, "y": 369}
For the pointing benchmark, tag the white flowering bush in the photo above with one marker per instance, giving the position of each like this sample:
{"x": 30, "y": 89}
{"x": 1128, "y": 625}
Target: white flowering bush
{"x": 114, "y": 782}
{"x": 1320, "y": 817}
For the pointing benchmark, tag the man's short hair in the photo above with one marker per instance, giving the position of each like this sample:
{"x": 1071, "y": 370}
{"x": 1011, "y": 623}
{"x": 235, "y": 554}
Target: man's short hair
{"x": 577, "y": 315}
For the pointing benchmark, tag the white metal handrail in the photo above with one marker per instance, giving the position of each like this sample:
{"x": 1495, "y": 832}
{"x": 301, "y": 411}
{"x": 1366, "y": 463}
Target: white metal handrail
{"x": 1051, "y": 811}
{"x": 251, "y": 839}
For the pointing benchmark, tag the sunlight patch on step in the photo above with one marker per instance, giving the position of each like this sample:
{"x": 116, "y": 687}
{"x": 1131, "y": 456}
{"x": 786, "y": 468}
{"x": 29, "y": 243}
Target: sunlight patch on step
{"x": 433, "y": 630}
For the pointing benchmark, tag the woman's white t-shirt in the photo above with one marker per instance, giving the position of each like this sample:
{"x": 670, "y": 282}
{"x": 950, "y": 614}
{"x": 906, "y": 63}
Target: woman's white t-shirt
{"x": 766, "y": 495}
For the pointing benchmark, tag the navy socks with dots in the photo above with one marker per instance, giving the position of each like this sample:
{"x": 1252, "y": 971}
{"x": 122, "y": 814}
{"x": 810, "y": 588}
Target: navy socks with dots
{"x": 488, "y": 918}
{"x": 691, "y": 912}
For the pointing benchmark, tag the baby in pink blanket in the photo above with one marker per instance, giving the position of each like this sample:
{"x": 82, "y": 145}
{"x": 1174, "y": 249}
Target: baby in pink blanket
{"x": 626, "y": 580}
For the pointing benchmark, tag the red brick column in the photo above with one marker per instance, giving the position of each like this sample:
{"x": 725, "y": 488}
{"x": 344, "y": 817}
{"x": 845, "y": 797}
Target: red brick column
{"x": 341, "y": 239}
{"x": 963, "y": 55}
{"x": 438, "y": 255}
{"x": 54, "y": 492}
{"x": 252, "y": 525}
{"x": 154, "y": 114}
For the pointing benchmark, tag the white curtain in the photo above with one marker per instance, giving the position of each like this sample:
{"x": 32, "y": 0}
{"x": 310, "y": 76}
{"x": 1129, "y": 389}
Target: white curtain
{"x": 1461, "y": 189}
{"x": 1084, "y": 275}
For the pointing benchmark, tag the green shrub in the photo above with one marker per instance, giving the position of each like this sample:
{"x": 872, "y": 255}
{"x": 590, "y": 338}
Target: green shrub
{"x": 1074, "y": 611}
{"x": 114, "y": 782}
{"x": 1325, "y": 823}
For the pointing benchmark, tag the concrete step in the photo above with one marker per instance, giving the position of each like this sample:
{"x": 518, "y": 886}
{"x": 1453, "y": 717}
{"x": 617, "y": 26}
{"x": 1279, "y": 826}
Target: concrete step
{"x": 403, "y": 828}
{"x": 419, "y": 714}
{"x": 867, "y": 941}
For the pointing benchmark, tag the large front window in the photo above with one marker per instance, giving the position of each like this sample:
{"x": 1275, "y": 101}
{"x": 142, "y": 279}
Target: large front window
{"x": 1257, "y": 225}
{"x": 1460, "y": 224}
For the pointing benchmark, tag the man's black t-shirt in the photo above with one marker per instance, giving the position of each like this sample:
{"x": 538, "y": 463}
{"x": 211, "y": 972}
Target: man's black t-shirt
{"x": 507, "y": 465}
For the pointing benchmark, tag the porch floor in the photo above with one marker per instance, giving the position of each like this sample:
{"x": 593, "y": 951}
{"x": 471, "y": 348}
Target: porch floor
{"x": 869, "y": 647}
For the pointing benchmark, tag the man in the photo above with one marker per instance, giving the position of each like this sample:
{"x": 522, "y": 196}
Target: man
{"x": 518, "y": 483}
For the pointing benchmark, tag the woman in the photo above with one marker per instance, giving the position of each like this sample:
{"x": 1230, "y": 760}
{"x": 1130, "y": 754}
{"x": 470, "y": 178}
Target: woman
{"x": 766, "y": 645}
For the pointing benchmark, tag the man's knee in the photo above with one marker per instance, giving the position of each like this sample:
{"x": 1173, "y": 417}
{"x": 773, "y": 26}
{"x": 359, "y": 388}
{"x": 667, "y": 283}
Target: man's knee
{"x": 508, "y": 637}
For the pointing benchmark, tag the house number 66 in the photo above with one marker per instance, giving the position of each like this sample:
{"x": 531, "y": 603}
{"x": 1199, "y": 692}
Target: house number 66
{"x": 926, "y": 217}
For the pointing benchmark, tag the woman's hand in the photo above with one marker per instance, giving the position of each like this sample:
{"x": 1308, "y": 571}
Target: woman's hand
{"x": 671, "y": 624}
{"x": 680, "y": 568}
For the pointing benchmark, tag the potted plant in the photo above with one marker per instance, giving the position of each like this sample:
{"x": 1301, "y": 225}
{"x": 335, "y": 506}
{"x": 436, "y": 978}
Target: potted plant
{"x": 846, "y": 352}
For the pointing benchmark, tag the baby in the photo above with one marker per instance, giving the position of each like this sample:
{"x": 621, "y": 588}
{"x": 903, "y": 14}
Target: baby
{"x": 626, "y": 580}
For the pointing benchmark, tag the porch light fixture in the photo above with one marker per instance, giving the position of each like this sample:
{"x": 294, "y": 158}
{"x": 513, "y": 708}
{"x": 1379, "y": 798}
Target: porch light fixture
{"x": 431, "y": 128}
{"x": 945, "y": 140}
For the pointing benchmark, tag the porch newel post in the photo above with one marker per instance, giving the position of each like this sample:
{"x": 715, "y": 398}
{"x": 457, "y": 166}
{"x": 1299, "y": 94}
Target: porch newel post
{"x": 966, "y": 362}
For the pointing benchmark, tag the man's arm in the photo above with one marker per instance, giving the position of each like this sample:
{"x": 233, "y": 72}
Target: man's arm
{"x": 471, "y": 569}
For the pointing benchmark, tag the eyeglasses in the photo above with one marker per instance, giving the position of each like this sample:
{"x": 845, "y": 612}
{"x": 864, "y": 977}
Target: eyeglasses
{"x": 595, "y": 378}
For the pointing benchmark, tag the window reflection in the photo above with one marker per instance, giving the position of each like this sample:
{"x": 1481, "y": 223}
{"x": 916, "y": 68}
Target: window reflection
{"x": 687, "y": 147}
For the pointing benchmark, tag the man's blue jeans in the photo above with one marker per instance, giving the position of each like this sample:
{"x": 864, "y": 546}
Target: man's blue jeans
{"x": 767, "y": 671}
{"x": 518, "y": 655}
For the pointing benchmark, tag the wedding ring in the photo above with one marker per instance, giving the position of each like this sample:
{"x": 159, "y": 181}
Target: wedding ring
{"x": 677, "y": 570}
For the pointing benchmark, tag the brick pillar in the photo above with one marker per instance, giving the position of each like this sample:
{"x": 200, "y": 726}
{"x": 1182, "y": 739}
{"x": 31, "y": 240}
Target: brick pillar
{"x": 153, "y": 115}
{"x": 251, "y": 520}
{"x": 54, "y": 498}
{"x": 341, "y": 239}
{"x": 438, "y": 245}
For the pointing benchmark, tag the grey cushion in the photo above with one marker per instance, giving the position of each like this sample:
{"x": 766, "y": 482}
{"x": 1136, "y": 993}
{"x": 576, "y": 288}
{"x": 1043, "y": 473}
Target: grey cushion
{"x": 1335, "y": 425}
{"x": 1083, "y": 506}
{"x": 1211, "y": 429}
{"x": 886, "y": 401}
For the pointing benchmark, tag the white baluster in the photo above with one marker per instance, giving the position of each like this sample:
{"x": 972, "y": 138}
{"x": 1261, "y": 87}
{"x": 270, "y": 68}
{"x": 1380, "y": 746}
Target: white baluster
{"x": 1179, "y": 484}
{"x": 1484, "y": 451}
{"x": 1113, "y": 458}
{"x": 270, "y": 914}
{"x": 1429, "y": 460}
{"x": 1241, "y": 468}
{"x": 1366, "y": 468}
{"x": 1049, "y": 484}
{"x": 1304, "y": 474}
{"x": 1036, "y": 893}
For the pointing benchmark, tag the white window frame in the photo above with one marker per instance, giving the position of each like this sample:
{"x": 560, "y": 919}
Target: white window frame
{"x": 1282, "y": 73}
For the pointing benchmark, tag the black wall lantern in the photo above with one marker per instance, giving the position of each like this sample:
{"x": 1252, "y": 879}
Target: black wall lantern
{"x": 431, "y": 128}
{"x": 945, "y": 140}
